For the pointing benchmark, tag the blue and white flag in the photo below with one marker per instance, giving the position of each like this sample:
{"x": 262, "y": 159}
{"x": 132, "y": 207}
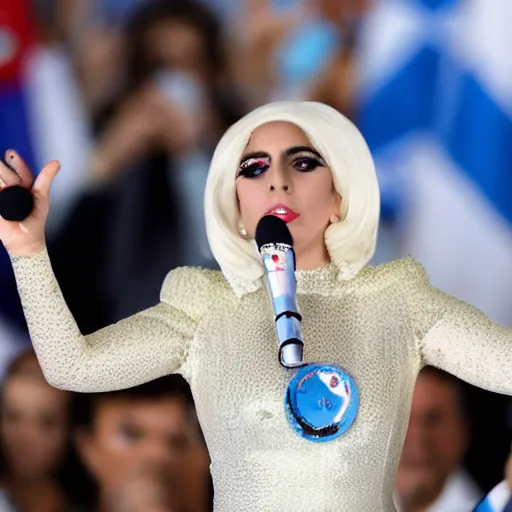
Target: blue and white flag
{"x": 42, "y": 117}
{"x": 498, "y": 500}
{"x": 436, "y": 109}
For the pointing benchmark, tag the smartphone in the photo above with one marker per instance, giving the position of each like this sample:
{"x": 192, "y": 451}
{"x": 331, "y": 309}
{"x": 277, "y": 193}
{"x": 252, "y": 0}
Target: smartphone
{"x": 182, "y": 90}
{"x": 285, "y": 5}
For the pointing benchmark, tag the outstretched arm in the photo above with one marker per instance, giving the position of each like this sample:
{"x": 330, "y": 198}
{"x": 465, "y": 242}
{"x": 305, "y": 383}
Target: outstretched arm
{"x": 138, "y": 349}
{"x": 460, "y": 339}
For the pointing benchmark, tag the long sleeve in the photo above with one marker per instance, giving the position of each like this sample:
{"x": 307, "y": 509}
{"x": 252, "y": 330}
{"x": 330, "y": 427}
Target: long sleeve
{"x": 458, "y": 338}
{"x": 143, "y": 347}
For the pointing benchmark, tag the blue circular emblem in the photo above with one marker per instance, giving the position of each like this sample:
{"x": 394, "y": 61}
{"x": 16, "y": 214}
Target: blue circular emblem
{"x": 321, "y": 402}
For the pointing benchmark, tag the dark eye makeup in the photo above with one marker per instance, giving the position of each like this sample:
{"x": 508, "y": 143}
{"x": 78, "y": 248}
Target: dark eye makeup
{"x": 251, "y": 167}
{"x": 307, "y": 163}
{"x": 302, "y": 159}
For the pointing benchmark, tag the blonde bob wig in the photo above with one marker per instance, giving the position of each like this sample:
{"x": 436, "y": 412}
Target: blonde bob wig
{"x": 350, "y": 242}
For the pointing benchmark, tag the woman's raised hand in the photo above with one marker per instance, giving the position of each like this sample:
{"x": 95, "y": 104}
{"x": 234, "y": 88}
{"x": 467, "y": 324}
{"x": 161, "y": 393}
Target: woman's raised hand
{"x": 27, "y": 237}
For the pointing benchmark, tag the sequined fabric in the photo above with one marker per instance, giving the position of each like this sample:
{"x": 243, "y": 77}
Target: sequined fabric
{"x": 381, "y": 326}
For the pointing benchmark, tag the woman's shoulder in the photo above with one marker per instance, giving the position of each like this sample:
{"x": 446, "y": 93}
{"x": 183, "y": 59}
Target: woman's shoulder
{"x": 194, "y": 289}
{"x": 402, "y": 271}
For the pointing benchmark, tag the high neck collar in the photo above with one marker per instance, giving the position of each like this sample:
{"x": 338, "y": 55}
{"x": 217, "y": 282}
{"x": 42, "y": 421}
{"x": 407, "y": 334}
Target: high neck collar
{"x": 321, "y": 280}
{"x": 324, "y": 280}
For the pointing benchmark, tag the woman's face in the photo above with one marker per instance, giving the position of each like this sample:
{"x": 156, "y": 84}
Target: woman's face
{"x": 177, "y": 45}
{"x": 33, "y": 426}
{"x": 280, "y": 173}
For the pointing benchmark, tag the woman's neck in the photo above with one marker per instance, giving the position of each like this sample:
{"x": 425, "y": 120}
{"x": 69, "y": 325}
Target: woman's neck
{"x": 35, "y": 495}
{"x": 312, "y": 258}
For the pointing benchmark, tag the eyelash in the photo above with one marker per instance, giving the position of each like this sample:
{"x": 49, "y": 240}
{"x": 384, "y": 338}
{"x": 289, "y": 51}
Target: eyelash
{"x": 254, "y": 167}
{"x": 250, "y": 167}
{"x": 312, "y": 163}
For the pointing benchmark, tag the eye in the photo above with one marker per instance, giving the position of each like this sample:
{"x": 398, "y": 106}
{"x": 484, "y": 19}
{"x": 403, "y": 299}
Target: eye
{"x": 48, "y": 423}
{"x": 130, "y": 433}
{"x": 307, "y": 163}
{"x": 12, "y": 417}
{"x": 253, "y": 167}
{"x": 178, "y": 442}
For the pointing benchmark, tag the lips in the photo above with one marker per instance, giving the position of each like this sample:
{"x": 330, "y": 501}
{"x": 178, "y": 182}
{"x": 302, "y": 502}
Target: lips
{"x": 283, "y": 212}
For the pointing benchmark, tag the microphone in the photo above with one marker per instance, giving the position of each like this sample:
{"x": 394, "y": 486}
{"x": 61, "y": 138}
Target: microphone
{"x": 275, "y": 244}
{"x": 16, "y": 203}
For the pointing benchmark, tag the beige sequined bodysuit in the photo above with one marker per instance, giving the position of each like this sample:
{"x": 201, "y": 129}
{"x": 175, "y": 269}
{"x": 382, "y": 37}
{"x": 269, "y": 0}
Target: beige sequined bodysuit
{"x": 382, "y": 327}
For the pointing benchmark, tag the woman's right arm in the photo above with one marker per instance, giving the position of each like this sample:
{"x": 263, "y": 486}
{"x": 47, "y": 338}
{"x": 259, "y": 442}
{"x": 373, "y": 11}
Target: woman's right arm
{"x": 138, "y": 349}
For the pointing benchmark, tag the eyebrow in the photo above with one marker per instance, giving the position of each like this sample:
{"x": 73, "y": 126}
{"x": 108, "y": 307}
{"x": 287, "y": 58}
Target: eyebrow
{"x": 288, "y": 152}
{"x": 256, "y": 154}
{"x": 303, "y": 149}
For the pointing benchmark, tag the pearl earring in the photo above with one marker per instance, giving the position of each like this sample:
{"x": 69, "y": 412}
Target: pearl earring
{"x": 242, "y": 230}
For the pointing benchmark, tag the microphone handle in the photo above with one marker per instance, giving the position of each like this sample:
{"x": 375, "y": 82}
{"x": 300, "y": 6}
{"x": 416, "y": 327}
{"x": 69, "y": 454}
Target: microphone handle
{"x": 291, "y": 346}
{"x": 279, "y": 262}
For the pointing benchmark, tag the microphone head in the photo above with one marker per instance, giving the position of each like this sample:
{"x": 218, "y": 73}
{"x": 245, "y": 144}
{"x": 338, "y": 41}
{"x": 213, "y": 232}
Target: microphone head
{"x": 16, "y": 203}
{"x": 272, "y": 230}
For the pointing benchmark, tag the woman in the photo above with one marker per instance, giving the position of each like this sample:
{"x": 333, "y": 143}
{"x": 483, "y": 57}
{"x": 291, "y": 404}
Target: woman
{"x": 38, "y": 469}
{"x": 148, "y": 167}
{"x": 380, "y": 324}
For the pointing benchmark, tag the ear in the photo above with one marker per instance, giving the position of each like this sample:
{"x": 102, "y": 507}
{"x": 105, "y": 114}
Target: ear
{"x": 335, "y": 215}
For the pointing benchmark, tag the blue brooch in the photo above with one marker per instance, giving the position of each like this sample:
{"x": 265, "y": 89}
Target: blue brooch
{"x": 321, "y": 402}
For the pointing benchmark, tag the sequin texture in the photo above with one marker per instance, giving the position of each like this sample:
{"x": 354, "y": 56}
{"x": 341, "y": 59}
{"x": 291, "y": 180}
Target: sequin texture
{"x": 381, "y": 326}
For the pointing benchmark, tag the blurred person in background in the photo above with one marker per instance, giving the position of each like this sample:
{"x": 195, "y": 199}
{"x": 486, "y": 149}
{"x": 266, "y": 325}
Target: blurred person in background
{"x": 56, "y": 109}
{"x": 12, "y": 342}
{"x": 37, "y": 468}
{"x": 430, "y": 477}
{"x": 149, "y": 166}
{"x": 337, "y": 81}
{"x": 297, "y": 49}
{"x": 144, "y": 450}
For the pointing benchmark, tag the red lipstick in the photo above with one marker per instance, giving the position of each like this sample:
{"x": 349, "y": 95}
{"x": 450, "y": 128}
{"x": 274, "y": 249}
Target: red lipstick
{"x": 283, "y": 212}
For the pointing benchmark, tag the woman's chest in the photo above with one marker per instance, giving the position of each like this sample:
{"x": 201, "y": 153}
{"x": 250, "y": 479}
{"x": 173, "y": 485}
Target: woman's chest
{"x": 344, "y": 329}
{"x": 236, "y": 375}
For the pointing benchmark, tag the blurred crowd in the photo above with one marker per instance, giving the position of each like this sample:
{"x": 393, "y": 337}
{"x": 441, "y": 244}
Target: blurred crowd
{"x": 141, "y": 449}
{"x": 132, "y": 96}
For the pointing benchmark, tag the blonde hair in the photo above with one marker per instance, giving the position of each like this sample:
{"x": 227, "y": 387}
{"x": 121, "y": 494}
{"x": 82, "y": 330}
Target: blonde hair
{"x": 350, "y": 242}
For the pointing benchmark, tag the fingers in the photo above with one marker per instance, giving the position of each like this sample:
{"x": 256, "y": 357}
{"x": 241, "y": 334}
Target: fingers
{"x": 20, "y": 167}
{"x": 8, "y": 177}
{"x": 44, "y": 180}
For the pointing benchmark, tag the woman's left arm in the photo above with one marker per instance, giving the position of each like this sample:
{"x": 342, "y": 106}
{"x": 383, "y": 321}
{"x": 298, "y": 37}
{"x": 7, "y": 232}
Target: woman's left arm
{"x": 460, "y": 339}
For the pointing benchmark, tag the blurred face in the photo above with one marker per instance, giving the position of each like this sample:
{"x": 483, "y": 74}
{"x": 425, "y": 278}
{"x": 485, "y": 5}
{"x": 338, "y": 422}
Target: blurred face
{"x": 282, "y": 174}
{"x": 137, "y": 437}
{"x": 435, "y": 441}
{"x": 177, "y": 45}
{"x": 335, "y": 10}
{"x": 33, "y": 426}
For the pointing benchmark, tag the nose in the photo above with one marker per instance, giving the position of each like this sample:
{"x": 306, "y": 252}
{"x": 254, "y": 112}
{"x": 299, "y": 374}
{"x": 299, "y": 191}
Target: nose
{"x": 279, "y": 181}
{"x": 417, "y": 442}
{"x": 155, "y": 454}
{"x": 285, "y": 188}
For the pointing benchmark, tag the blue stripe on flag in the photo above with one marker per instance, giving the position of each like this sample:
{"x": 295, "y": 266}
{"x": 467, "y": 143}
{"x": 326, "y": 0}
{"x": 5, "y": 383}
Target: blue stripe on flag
{"x": 404, "y": 104}
{"x": 14, "y": 133}
{"x": 14, "y": 122}
{"x": 437, "y": 4}
{"x": 479, "y": 139}
{"x": 485, "y": 506}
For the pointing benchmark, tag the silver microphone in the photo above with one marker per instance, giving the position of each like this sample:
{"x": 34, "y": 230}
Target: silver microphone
{"x": 275, "y": 244}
